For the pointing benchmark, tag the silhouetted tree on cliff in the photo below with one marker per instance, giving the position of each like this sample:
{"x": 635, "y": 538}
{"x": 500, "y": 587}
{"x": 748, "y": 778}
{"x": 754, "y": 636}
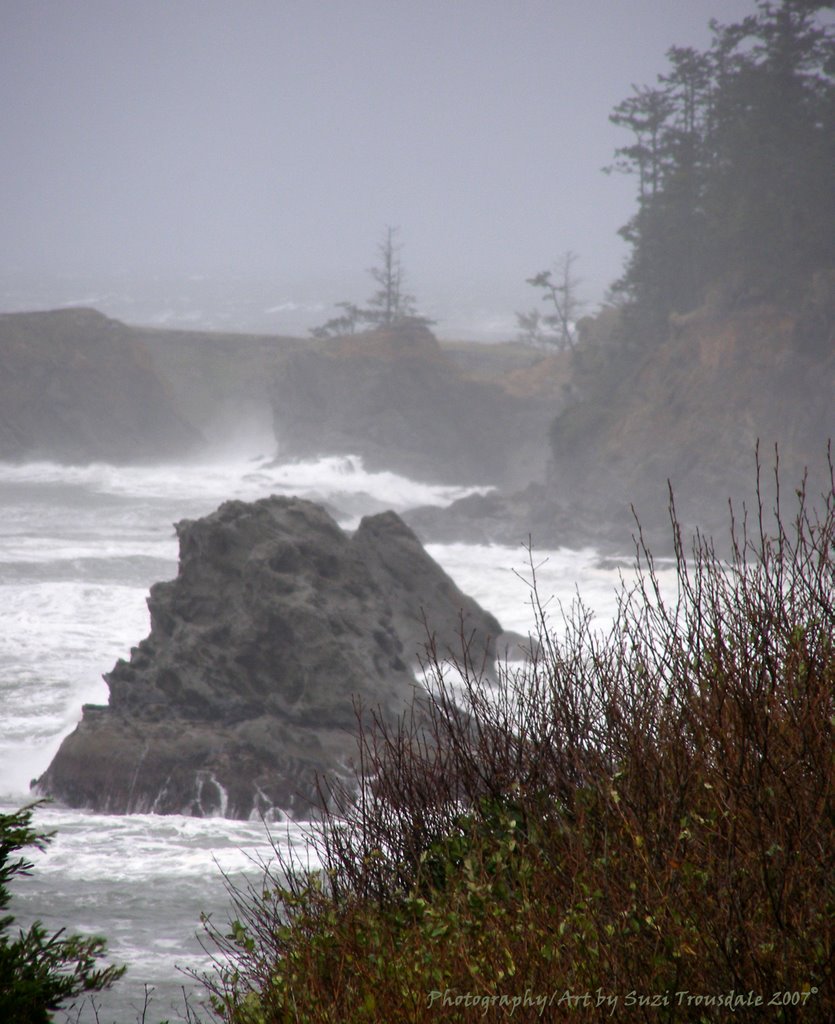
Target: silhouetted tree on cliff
{"x": 733, "y": 152}
{"x": 558, "y": 327}
{"x": 389, "y": 306}
{"x": 390, "y": 303}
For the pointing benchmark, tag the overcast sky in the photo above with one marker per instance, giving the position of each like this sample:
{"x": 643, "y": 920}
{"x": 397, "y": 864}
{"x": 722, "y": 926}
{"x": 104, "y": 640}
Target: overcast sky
{"x": 275, "y": 139}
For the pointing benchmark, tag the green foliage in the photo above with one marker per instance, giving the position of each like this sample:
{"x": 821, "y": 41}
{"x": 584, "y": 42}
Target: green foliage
{"x": 648, "y": 811}
{"x": 733, "y": 151}
{"x": 39, "y": 971}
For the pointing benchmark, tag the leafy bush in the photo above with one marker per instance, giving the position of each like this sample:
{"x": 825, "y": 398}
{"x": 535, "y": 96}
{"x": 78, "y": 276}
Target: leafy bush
{"x": 39, "y": 971}
{"x": 633, "y": 826}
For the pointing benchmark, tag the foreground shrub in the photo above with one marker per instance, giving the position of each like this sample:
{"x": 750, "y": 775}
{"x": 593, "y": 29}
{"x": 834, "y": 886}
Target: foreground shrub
{"x": 635, "y": 826}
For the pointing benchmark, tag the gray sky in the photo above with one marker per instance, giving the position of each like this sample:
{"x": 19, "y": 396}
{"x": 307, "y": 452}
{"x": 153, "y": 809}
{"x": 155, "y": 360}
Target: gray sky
{"x": 274, "y": 141}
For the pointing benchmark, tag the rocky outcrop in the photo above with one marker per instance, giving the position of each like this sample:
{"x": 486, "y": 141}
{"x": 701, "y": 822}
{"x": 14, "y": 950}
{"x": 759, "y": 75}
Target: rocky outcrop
{"x": 276, "y": 624}
{"x": 396, "y": 399}
{"x": 690, "y": 411}
{"x": 76, "y": 386}
{"x": 425, "y": 603}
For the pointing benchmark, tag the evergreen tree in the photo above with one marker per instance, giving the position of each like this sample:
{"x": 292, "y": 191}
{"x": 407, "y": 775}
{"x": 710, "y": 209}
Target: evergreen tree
{"x": 558, "y": 327}
{"x": 39, "y": 971}
{"x": 389, "y": 306}
{"x": 733, "y": 151}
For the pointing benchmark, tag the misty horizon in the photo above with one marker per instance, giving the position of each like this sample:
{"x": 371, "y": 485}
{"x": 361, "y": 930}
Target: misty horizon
{"x": 156, "y": 156}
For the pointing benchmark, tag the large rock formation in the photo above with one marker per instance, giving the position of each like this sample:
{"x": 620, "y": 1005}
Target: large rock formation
{"x": 77, "y": 387}
{"x": 394, "y": 397}
{"x": 277, "y": 623}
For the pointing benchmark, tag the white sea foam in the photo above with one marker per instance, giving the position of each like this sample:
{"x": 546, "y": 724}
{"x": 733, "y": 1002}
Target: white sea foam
{"x": 56, "y": 640}
{"x": 144, "y": 881}
{"x": 148, "y": 849}
{"x": 327, "y": 479}
{"x": 501, "y": 579}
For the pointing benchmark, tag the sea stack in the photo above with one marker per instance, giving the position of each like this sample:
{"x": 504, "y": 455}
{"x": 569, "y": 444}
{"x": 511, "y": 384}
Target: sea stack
{"x": 276, "y": 627}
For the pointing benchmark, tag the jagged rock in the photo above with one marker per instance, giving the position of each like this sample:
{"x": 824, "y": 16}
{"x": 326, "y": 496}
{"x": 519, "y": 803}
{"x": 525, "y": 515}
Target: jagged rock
{"x": 76, "y": 386}
{"x": 424, "y": 601}
{"x": 276, "y": 623}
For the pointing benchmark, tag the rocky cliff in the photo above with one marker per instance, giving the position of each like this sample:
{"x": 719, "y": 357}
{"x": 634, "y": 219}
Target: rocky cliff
{"x": 397, "y": 399}
{"x": 221, "y": 382}
{"x": 276, "y": 623}
{"x": 693, "y": 410}
{"x": 690, "y": 410}
{"x": 76, "y": 386}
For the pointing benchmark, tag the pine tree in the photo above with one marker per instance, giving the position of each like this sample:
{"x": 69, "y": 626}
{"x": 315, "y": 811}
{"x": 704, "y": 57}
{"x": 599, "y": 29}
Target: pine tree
{"x": 39, "y": 971}
{"x": 733, "y": 151}
{"x": 558, "y": 327}
{"x": 390, "y": 306}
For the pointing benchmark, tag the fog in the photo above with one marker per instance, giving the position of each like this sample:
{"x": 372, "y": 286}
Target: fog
{"x": 235, "y": 164}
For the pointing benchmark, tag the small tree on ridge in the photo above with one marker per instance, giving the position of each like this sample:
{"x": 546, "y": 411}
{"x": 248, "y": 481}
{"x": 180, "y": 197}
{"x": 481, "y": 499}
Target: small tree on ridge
{"x": 559, "y": 291}
{"x": 389, "y": 306}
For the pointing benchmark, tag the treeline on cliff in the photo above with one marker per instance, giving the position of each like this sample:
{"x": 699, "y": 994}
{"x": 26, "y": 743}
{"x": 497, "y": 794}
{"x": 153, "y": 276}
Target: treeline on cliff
{"x": 733, "y": 152}
{"x": 722, "y": 330}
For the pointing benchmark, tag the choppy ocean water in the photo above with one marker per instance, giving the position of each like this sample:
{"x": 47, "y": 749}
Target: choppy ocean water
{"x": 79, "y": 548}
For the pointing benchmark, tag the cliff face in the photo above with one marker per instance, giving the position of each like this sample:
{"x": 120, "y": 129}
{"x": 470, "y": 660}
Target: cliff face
{"x": 220, "y": 382}
{"x": 693, "y": 410}
{"x": 75, "y": 386}
{"x": 245, "y": 687}
{"x": 396, "y": 399}
{"x": 690, "y": 411}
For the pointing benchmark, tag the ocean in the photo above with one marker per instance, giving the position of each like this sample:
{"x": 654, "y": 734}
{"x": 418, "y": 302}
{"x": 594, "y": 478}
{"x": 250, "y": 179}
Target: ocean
{"x": 226, "y": 303}
{"x": 79, "y": 548}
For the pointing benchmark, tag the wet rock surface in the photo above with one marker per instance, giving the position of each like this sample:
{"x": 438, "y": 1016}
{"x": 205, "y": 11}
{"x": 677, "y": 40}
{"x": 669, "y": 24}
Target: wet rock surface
{"x": 276, "y": 625}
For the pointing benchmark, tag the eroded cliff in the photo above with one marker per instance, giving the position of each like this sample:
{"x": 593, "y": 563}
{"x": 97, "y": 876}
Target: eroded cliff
{"x": 76, "y": 386}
